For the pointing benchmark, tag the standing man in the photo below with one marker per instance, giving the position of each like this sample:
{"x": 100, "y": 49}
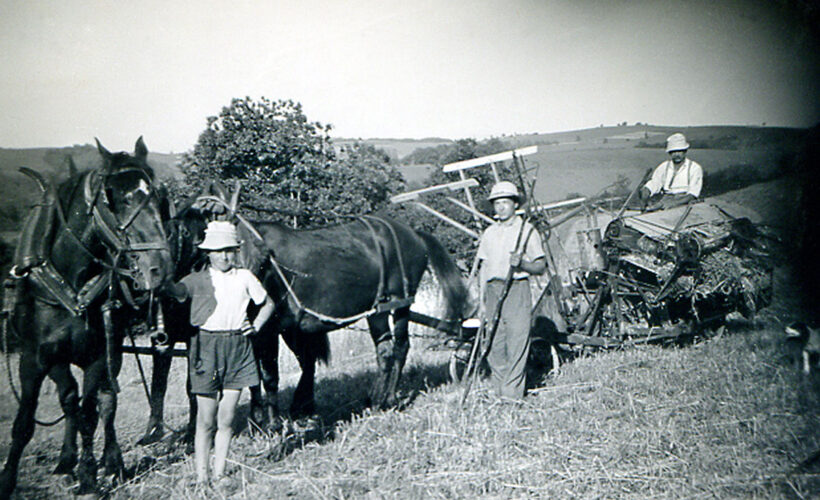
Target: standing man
{"x": 500, "y": 250}
{"x": 674, "y": 182}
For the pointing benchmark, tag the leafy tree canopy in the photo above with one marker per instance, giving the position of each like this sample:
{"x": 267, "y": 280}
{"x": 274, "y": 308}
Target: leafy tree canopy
{"x": 287, "y": 165}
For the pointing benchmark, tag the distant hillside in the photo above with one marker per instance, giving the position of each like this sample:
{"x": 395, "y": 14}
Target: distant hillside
{"x": 654, "y": 136}
{"x": 395, "y": 148}
{"x": 583, "y": 162}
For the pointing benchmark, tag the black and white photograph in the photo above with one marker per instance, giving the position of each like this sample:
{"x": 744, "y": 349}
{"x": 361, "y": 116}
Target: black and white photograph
{"x": 409, "y": 250}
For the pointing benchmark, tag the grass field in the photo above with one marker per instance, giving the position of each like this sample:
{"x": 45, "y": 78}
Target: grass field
{"x": 726, "y": 417}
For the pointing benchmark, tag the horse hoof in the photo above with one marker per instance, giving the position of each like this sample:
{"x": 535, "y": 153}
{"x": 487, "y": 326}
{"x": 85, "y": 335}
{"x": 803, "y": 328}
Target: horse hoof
{"x": 150, "y": 438}
{"x": 7, "y": 484}
{"x": 275, "y": 426}
{"x": 307, "y": 424}
{"x": 65, "y": 467}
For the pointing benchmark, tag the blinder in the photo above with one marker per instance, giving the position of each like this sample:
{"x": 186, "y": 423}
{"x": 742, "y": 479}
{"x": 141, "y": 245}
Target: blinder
{"x": 111, "y": 229}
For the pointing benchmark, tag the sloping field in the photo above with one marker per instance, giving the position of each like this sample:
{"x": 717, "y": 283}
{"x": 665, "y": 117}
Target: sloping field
{"x": 727, "y": 417}
{"x": 588, "y": 171}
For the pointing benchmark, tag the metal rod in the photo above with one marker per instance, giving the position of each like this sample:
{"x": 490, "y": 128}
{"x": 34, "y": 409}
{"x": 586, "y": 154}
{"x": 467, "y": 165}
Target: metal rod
{"x": 476, "y": 213}
{"x": 443, "y": 217}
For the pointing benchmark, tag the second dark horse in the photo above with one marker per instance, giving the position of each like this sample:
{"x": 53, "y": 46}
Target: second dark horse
{"x": 323, "y": 279}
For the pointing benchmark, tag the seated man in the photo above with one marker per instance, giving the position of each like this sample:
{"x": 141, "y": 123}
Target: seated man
{"x": 676, "y": 181}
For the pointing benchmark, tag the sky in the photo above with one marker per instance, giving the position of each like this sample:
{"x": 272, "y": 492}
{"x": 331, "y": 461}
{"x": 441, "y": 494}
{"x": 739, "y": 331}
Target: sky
{"x": 75, "y": 70}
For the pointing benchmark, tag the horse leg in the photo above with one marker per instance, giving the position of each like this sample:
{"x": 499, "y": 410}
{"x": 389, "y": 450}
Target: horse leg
{"x": 401, "y": 346}
{"x": 159, "y": 385}
{"x": 193, "y": 408}
{"x": 112, "y": 454}
{"x": 31, "y": 379}
{"x": 265, "y": 407}
{"x": 70, "y": 403}
{"x": 87, "y": 469}
{"x": 303, "y": 397}
{"x": 383, "y": 341}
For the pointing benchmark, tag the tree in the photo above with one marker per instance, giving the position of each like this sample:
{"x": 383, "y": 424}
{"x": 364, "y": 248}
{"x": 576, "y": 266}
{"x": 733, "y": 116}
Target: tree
{"x": 287, "y": 165}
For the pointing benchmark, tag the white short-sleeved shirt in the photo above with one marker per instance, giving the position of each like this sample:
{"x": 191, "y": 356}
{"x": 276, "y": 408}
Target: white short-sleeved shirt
{"x": 688, "y": 178}
{"x": 498, "y": 242}
{"x": 233, "y": 291}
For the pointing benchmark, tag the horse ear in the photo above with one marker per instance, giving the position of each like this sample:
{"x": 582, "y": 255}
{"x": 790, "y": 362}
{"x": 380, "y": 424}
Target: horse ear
{"x": 140, "y": 149}
{"x": 72, "y": 167}
{"x": 235, "y": 197}
{"x": 166, "y": 206}
{"x": 220, "y": 191}
{"x": 104, "y": 152}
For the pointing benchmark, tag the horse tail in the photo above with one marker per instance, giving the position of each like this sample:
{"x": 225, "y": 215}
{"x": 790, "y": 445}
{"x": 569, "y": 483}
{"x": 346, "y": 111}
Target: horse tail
{"x": 320, "y": 347}
{"x": 305, "y": 346}
{"x": 448, "y": 274}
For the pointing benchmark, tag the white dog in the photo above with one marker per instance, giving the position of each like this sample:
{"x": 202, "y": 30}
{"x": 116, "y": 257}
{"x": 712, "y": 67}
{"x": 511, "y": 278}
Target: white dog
{"x": 809, "y": 341}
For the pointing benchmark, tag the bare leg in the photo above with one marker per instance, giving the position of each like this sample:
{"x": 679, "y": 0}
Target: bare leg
{"x": 205, "y": 425}
{"x": 224, "y": 431}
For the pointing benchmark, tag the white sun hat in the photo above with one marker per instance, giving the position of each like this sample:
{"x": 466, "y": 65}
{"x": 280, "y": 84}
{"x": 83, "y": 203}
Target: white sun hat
{"x": 504, "y": 189}
{"x": 676, "y": 142}
{"x": 219, "y": 235}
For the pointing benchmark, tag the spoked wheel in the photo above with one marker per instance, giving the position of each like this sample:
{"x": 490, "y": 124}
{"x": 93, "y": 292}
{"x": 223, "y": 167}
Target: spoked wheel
{"x": 459, "y": 359}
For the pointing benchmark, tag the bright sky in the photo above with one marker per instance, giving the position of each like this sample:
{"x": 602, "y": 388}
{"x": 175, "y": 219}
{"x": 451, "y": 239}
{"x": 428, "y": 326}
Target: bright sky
{"x": 74, "y": 70}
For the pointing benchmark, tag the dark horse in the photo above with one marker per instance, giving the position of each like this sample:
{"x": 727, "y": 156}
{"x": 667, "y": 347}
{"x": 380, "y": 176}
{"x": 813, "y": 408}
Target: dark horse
{"x": 108, "y": 250}
{"x": 324, "y": 279}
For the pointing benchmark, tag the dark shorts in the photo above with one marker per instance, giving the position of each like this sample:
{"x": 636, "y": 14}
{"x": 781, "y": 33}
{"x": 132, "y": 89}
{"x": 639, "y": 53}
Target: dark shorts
{"x": 221, "y": 361}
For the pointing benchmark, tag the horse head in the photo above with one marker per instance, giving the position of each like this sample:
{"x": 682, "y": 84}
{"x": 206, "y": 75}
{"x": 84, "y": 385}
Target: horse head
{"x": 214, "y": 202}
{"x": 126, "y": 209}
{"x": 185, "y": 227}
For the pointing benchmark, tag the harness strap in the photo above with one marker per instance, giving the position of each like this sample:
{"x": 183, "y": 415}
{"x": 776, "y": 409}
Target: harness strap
{"x": 46, "y": 276}
{"x": 399, "y": 256}
{"x": 382, "y": 257}
{"x": 316, "y": 314}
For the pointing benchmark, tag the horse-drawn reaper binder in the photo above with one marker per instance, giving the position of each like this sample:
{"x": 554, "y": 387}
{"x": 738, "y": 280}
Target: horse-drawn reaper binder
{"x": 619, "y": 276}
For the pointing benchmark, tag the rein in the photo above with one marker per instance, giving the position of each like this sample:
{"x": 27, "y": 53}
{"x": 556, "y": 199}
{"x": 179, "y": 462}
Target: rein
{"x": 8, "y": 308}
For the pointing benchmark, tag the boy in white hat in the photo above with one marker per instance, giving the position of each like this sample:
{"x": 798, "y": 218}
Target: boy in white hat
{"x": 220, "y": 361}
{"x": 497, "y": 254}
{"x": 676, "y": 181}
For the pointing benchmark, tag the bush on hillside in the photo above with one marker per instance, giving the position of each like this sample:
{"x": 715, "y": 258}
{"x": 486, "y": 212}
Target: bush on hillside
{"x": 287, "y": 165}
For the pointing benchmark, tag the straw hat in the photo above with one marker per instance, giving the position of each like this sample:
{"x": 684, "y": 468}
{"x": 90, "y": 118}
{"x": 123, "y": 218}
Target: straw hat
{"x": 504, "y": 189}
{"x": 219, "y": 235}
{"x": 676, "y": 142}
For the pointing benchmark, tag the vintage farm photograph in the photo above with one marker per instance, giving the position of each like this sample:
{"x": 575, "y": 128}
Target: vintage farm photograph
{"x": 409, "y": 250}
